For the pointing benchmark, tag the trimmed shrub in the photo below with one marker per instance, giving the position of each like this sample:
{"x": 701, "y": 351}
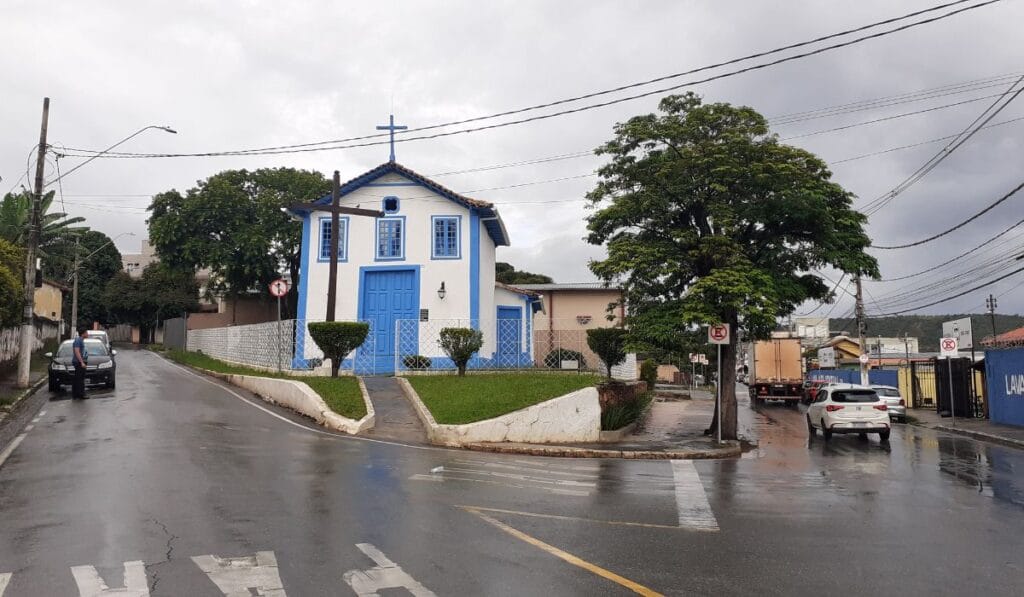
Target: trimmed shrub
{"x": 416, "y": 361}
{"x": 460, "y": 344}
{"x": 609, "y": 344}
{"x": 554, "y": 359}
{"x": 338, "y": 338}
{"x": 620, "y": 415}
{"x": 649, "y": 372}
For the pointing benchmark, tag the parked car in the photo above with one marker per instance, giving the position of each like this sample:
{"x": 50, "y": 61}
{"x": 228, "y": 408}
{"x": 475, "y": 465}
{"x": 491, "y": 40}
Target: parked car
{"x": 99, "y": 335}
{"x": 848, "y": 408}
{"x": 100, "y": 368}
{"x": 897, "y": 405}
{"x": 811, "y": 387}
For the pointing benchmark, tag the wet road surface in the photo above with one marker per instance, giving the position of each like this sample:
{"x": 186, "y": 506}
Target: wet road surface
{"x": 176, "y": 485}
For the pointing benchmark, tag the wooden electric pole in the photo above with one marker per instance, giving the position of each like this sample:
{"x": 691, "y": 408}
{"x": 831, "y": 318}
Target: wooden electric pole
{"x": 859, "y": 309}
{"x": 32, "y": 245}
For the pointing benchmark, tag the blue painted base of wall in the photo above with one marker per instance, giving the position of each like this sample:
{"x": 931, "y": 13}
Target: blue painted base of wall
{"x": 881, "y": 377}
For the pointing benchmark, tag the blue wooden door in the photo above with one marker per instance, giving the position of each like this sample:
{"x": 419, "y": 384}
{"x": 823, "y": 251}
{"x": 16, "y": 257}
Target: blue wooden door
{"x": 510, "y": 325}
{"x": 388, "y": 296}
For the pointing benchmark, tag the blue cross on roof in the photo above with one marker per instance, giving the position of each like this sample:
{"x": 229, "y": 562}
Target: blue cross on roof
{"x": 391, "y": 128}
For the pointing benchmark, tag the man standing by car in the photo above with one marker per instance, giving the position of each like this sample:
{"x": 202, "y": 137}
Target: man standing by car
{"x": 79, "y": 358}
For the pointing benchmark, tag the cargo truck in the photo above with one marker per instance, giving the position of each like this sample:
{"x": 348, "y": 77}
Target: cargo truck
{"x": 775, "y": 371}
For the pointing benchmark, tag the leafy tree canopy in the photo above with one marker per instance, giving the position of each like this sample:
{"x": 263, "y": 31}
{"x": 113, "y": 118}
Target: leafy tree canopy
{"x": 232, "y": 223}
{"x": 57, "y": 228}
{"x": 161, "y": 292}
{"x": 93, "y": 273}
{"x": 12, "y": 283}
{"x": 708, "y": 218}
{"x": 507, "y": 274}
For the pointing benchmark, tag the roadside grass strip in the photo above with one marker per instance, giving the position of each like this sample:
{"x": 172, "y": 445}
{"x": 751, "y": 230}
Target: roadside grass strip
{"x": 454, "y": 400}
{"x": 341, "y": 394}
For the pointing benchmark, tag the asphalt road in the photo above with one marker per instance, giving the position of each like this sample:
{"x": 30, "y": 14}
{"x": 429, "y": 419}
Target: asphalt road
{"x": 172, "y": 473}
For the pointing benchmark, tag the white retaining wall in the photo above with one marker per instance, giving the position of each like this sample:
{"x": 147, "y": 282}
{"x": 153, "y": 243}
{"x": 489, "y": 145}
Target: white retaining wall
{"x": 575, "y": 417}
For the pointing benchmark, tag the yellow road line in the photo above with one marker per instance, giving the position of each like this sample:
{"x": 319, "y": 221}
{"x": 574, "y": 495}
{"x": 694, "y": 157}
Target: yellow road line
{"x": 568, "y": 557}
{"x": 648, "y": 525}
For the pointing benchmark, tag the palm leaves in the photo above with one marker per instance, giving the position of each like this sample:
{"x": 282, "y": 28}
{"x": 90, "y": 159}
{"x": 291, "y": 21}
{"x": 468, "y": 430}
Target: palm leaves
{"x": 56, "y": 228}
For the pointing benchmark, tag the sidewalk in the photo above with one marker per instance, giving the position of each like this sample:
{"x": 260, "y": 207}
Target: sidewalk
{"x": 395, "y": 418}
{"x": 673, "y": 429}
{"x": 981, "y": 429}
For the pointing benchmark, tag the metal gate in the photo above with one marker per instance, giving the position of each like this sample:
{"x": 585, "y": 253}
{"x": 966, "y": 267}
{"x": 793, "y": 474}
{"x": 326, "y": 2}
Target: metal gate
{"x": 174, "y": 333}
{"x": 922, "y": 384}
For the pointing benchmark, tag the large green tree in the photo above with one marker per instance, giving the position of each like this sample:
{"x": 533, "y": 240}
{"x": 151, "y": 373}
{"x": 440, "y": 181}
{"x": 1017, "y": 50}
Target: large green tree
{"x": 232, "y": 223}
{"x": 93, "y": 273}
{"x": 12, "y": 282}
{"x": 507, "y": 274}
{"x": 708, "y": 218}
{"x": 161, "y": 292}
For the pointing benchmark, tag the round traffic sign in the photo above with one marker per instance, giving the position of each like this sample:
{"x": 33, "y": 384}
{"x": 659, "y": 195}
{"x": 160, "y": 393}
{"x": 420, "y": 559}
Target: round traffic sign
{"x": 948, "y": 345}
{"x": 719, "y": 332}
{"x": 279, "y": 288}
{"x": 864, "y": 358}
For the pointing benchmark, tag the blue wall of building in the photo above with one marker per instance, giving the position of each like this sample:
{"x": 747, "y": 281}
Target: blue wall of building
{"x": 1004, "y": 378}
{"x": 882, "y": 377}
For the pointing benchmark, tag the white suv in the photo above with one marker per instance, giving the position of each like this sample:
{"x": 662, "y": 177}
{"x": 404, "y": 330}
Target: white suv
{"x": 848, "y": 408}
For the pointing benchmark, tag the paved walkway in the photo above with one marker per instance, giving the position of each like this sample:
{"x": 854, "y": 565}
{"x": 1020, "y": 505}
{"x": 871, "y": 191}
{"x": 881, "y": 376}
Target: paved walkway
{"x": 395, "y": 418}
{"x": 982, "y": 429}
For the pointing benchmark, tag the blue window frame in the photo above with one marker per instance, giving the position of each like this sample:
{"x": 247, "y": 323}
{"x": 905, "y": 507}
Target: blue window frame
{"x": 325, "y": 239}
{"x": 390, "y": 205}
{"x": 391, "y": 239}
{"x": 446, "y": 237}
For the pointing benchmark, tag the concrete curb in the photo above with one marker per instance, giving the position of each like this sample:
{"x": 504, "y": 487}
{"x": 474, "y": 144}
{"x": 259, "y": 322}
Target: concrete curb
{"x": 300, "y": 398}
{"x": 732, "y": 450}
{"x": 981, "y": 435}
{"x": 574, "y": 417}
{"x": 7, "y": 409}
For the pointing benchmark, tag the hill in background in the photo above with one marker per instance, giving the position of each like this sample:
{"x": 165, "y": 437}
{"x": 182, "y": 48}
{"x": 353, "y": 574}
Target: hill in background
{"x": 927, "y": 328}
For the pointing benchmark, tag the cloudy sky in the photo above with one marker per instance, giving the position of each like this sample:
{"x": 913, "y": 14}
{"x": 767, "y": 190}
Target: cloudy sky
{"x": 249, "y": 74}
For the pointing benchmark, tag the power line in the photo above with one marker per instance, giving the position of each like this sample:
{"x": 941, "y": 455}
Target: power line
{"x": 955, "y": 296}
{"x": 957, "y": 227}
{"x": 946, "y": 151}
{"x": 958, "y": 257}
{"x": 919, "y": 144}
{"x": 305, "y": 147}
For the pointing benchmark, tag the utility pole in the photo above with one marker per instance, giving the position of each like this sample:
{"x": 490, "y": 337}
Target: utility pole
{"x": 859, "y": 310}
{"x": 332, "y": 275}
{"x": 74, "y": 295}
{"x": 27, "y": 327}
{"x": 990, "y": 302}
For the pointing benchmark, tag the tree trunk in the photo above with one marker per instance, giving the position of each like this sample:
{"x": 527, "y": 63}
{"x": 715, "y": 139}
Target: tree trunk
{"x": 462, "y": 370}
{"x": 292, "y": 298}
{"x": 234, "y": 307}
{"x": 727, "y": 383}
{"x": 335, "y": 365}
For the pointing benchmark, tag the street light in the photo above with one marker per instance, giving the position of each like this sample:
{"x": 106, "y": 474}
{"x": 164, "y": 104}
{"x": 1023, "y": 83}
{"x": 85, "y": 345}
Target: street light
{"x": 166, "y": 129}
{"x": 74, "y": 274}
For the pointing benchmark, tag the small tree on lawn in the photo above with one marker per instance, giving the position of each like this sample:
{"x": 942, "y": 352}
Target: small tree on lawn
{"x": 338, "y": 338}
{"x": 609, "y": 344}
{"x": 460, "y": 344}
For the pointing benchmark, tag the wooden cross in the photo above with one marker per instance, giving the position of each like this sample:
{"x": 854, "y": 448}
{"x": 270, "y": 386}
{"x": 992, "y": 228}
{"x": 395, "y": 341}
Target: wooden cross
{"x": 335, "y": 209}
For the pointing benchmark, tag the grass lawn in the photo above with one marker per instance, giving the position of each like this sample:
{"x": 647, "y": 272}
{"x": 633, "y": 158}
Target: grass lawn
{"x": 341, "y": 394}
{"x": 456, "y": 400}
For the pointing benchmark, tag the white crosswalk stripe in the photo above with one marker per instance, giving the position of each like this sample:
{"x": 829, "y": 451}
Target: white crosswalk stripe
{"x": 91, "y": 584}
{"x": 5, "y": 579}
{"x": 691, "y": 500}
{"x": 561, "y": 480}
{"x": 240, "y": 577}
{"x": 385, "y": 575}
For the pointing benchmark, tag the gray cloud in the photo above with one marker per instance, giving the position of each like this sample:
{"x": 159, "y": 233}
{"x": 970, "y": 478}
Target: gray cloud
{"x": 248, "y": 74}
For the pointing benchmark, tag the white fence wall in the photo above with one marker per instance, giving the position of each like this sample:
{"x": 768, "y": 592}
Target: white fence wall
{"x": 267, "y": 345}
{"x": 10, "y": 339}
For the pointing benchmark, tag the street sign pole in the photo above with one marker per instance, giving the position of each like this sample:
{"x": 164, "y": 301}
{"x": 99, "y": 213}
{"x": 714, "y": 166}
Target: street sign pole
{"x": 718, "y": 397}
{"x": 278, "y": 334}
{"x": 952, "y": 408}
